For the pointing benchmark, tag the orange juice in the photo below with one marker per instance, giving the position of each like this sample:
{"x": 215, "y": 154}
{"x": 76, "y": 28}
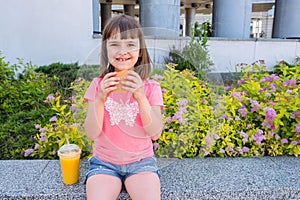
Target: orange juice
{"x": 70, "y": 169}
{"x": 69, "y": 156}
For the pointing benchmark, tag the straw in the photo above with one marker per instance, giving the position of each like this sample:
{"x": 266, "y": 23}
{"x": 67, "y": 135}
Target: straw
{"x": 67, "y": 138}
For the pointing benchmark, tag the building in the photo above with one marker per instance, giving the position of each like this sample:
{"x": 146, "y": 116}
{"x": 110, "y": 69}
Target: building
{"x": 230, "y": 18}
{"x": 44, "y": 32}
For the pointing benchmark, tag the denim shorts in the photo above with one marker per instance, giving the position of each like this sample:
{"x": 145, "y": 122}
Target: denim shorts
{"x": 98, "y": 166}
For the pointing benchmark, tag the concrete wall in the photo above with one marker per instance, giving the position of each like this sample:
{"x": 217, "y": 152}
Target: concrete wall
{"x": 44, "y": 32}
{"x": 225, "y": 53}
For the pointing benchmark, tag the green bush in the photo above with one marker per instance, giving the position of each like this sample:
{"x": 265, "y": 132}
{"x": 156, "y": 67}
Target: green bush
{"x": 24, "y": 91}
{"x": 258, "y": 115}
{"x": 194, "y": 56}
{"x": 261, "y": 115}
{"x": 63, "y": 127}
{"x": 187, "y": 114}
{"x": 64, "y": 74}
{"x": 17, "y": 132}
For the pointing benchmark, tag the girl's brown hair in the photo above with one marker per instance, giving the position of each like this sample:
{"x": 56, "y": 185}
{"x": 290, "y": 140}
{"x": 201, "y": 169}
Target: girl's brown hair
{"x": 127, "y": 27}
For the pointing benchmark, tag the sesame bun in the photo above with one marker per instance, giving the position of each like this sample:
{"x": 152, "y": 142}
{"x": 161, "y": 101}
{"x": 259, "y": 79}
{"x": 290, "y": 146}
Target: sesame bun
{"x": 121, "y": 74}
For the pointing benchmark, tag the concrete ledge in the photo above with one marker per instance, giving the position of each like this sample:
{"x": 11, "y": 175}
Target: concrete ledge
{"x": 186, "y": 179}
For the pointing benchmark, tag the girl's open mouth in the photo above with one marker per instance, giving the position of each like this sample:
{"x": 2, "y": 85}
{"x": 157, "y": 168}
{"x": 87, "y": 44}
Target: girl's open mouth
{"x": 122, "y": 59}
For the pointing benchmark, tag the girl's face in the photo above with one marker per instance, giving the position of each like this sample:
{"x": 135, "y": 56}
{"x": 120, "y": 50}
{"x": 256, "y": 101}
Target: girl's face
{"x": 123, "y": 53}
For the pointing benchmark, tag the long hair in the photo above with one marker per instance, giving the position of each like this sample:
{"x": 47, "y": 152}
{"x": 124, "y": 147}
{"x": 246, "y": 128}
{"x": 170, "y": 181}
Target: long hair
{"x": 127, "y": 27}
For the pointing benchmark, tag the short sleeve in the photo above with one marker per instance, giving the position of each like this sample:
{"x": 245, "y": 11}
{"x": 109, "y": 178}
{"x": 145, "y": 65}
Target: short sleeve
{"x": 92, "y": 90}
{"x": 154, "y": 93}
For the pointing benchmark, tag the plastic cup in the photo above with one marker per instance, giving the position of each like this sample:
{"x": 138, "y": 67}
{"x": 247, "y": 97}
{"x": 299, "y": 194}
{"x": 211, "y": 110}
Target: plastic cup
{"x": 69, "y": 157}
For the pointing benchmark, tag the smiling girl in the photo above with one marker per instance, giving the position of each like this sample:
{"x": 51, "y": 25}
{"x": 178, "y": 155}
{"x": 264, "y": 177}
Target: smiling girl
{"x": 123, "y": 125}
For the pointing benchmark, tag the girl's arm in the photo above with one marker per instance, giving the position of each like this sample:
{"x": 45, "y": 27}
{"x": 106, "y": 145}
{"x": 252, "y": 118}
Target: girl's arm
{"x": 150, "y": 115}
{"x": 151, "y": 118}
{"x": 94, "y": 119}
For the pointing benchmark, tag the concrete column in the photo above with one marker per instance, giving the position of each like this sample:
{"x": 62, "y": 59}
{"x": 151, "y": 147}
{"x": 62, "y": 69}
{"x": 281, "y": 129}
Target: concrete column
{"x": 96, "y": 16}
{"x": 231, "y": 18}
{"x": 189, "y": 20}
{"x": 105, "y": 14}
{"x": 129, "y": 10}
{"x": 286, "y": 19}
{"x": 160, "y": 18}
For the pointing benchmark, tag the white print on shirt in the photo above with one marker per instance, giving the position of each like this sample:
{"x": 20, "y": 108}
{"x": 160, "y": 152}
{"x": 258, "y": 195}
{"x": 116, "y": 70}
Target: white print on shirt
{"x": 121, "y": 111}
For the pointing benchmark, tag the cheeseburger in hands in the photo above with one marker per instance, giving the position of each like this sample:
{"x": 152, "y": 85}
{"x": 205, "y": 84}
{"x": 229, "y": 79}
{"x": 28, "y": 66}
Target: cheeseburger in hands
{"x": 121, "y": 74}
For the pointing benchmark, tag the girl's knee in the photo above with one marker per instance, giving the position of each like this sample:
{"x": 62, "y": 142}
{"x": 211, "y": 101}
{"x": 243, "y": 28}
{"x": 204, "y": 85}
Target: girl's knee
{"x": 145, "y": 185}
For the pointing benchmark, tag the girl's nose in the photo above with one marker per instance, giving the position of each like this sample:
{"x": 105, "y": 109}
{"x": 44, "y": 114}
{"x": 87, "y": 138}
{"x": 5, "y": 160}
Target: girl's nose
{"x": 123, "y": 50}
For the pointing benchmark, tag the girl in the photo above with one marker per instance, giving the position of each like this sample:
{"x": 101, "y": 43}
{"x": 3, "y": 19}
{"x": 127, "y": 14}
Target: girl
{"x": 123, "y": 124}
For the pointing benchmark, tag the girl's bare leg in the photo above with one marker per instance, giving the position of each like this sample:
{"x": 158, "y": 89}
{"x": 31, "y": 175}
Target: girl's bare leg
{"x": 104, "y": 187}
{"x": 145, "y": 185}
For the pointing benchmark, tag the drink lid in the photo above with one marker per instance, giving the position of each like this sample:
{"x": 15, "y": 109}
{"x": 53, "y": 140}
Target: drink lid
{"x": 69, "y": 150}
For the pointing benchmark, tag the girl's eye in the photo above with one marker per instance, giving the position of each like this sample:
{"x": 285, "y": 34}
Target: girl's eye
{"x": 131, "y": 45}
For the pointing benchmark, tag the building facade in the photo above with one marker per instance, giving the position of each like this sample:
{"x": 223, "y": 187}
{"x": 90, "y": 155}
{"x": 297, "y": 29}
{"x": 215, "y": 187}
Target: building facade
{"x": 229, "y": 19}
{"x": 70, "y": 31}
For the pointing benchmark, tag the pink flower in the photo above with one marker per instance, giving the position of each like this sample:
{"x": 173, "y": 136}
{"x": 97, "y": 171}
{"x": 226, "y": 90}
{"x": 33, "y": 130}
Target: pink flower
{"x": 258, "y": 137}
{"x": 157, "y": 77}
{"x": 254, "y": 105}
{"x": 53, "y": 119}
{"x": 43, "y": 138}
{"x": 182, "y": 102}
{"x": 245, "y": 149}
{"x": 169, "y": 120}
{"x": 208, "y": 139}
{"x": 289, "y": 83}
{"x": 73, "y": 108}
{"x": 268, "y": 94}
{"x": 272, "y": 103}
{"x": 284, "y": 141}
{"x": 37, "y": 126}
{"x": 42, "y": 130}
{"x": 241, "y": 81}
{"x": 227, "y": 88}
{"x": 297, "y": 127}
{"x": 262, "y": 90}
{"x": 270, "y": 113}
{"x": 155, "y": 145}
{"x": 28, "y": 152}
{"x": 292, "y": 115}
{"x": 268, "y": 124}
{"x": 50, "y": 97}
{"x": 271, "y": 133}
{"x": 242, "y": 111}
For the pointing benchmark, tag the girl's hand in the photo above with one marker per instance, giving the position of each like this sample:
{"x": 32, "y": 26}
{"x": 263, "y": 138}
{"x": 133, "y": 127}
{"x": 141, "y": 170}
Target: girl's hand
{"x": 133, "y": 83}
{"x": 107, "y": 85}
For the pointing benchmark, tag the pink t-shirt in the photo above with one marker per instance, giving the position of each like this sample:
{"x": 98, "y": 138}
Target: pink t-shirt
{"x": 123, "y": 139}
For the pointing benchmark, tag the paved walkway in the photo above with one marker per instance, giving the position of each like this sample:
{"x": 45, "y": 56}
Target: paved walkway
{"x": 261, "y": 178}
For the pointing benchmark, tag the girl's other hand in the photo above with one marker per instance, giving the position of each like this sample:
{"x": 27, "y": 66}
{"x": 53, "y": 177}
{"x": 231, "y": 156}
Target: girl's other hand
{"x": 133, "y": 83}
{"x": 107, "y": 85}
